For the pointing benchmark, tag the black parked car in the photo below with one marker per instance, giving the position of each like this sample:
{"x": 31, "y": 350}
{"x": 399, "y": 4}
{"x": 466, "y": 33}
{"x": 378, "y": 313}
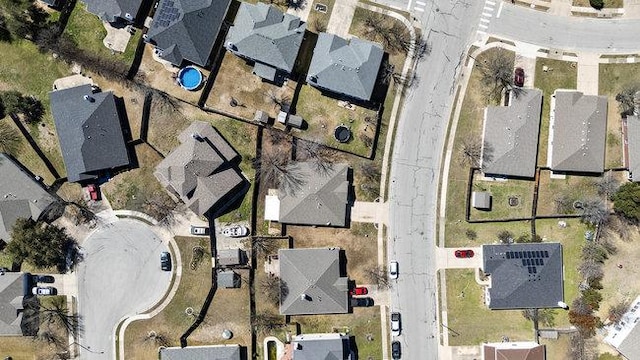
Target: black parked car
{"x": 165, "y": 261}
{"x": 396, "y": 350}
{"x": 361, "y": 302}
{"x": 44, "y": 279}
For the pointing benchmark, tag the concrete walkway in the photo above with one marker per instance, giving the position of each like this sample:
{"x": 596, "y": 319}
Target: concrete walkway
{"x": 560, "y": 7}
{"x": 588, "y": 72}
{"x": 341, "y": 17}
{"x": 370, "y": 212}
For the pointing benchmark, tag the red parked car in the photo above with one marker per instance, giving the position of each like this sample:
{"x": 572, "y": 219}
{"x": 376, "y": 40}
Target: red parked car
{"x": 361, "y": 290}
{"x": 518, "y": 77}
{"x": 94, "y": 192}
{"x": 464, "y": 253}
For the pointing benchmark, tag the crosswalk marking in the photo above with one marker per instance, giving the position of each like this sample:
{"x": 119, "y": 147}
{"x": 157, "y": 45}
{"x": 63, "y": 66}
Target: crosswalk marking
{"x": 421, "y": 3}
{"x": 484, "y": 20}
{"x": 488, "y": 8}
{"x": 418, "y": 9}
{"x": 483, "y": 26}
{"x": 487, "y": 14}
{"x": 490, "y": 2}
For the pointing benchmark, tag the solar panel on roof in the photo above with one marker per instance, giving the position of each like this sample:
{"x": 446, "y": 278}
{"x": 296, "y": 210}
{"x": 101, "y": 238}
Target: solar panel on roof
{"x": 537, "y": 253}
{"x": 520, "y": 253}
{"x": 546, "y": 254}
{"x": 541, "y": 262}
{"x": 537, "y": 261}
{"x": 524, "y": 263}
{"x": 534, "y": 270}
{"x": 508, "y": 255}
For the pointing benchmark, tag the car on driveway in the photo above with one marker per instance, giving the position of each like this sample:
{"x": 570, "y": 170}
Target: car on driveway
{"x": 393, "y": 270}
{"x": 165, "y": 261}
{"x": 463, "y": 253}
{"x": 235, "y": 231}
{"x": 395, "y": 323}
{"x": 361, "y": 302}
{"x": 199, "y": 230}
{"x": 518, "y": 77}
{"x": 94, "y": 192}
{"x": 360, "y": 290}
{"x": 44, "y": 290}
{"x": 396, "y": 350}
{"x": 44, "y": 278}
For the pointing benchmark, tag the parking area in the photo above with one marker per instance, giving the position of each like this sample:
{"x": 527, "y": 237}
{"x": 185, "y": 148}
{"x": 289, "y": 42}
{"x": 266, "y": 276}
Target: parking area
{"x": 120, "y": 276}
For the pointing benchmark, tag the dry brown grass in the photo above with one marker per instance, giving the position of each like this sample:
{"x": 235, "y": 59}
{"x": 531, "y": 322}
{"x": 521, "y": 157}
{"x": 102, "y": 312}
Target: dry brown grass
{"x": 613, "y": 154}
{"x": 235, "y": 79}
{"x": 361, "y": 251}
{"x": 574, "y": 187}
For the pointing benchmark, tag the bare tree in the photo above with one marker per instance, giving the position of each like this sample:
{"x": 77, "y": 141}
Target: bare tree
{"x": 58, "y": 313}
{"x": 591, "y": 270}
{"x": 594, "y": 211}
{"x": 274, "y": 289}
{"x": 377, "y": 275}
{"x": 370, "y": 171}
{"x": 545, "y": 317}
{"x": 471, "y": 151}
{"x": 49, "y": 337}
{"x": 617, "y": 310}
{"x": 156, "y": 338}
{"x": 9, "y": 139}
{"x": 264, "y": 245}
{"x": 505, "y": 237}
{"x": 321, "y": 156}
{"x": 279, "y": 102}
{"x": 564, "y": 203}
{"x": 593, "y": 251}
{"x": 266, "y": 322}
{"x": 627, "y": 98}
{"x": 318, "y": 25}
{"x": 277, "y": 171}
{"x": 496, "y": 70}
{"x": 160, "y": 206}
{"x": 607, "y": 185}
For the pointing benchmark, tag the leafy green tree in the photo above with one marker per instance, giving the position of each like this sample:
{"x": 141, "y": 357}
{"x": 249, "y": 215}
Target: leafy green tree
{"x": 626, "y": 201}
{"x": 12, "y": 101}
{"x": 42, "y": 245}
{"x": 592, "y": 297}
{"x": 597, "y": 4}
{"x": 9, "y": 139}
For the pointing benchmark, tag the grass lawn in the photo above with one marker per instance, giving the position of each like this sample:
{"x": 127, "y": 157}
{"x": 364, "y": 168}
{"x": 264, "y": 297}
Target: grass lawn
{"x": 561, "y": 75}
{"x": 236, "y": 80}
{"x": 317, "y": 20}
{"x": 133, "y": 189}
{"x": 558, "y": 349}
{"x": 607, "y": 3}
{"x": 470, "y": 320}
{"x": 88, "y": 32}
{"x": 572, "y": 240}
{"x": 573, "y": 187}
{"x": 172, "y": 322}
{"x": 363, "y": 324}
{"x": 501, "y": 192}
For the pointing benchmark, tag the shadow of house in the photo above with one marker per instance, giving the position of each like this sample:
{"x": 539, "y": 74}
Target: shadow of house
{"x": 90, "y": 133}
{"x": 315, "y": 282}
{"x": 577, "y": 132}
{"x": 267, "y": 38}
{"x": 22, "y": 196}
{"x": 184, "y": 30}
{"x": 218, "y": 352}
{"x": 116, "y": 11}
{"x": 322, "y": 198}
{"x": 202, "y": 171}
{"x": 510, "y": 136}
{"x": 347, "y": 68}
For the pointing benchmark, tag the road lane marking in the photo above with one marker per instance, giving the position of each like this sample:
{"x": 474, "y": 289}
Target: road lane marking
{"x": 481, "y": 32}
{"x": 421, "y": 3}
{"x": 409, "y": 5}
{"x": 490, "y": 2}
{"x": 499, "y": 10}
{"x": 483, "y": 26}
{"x": 484, "y": 20}
{"x": 418, "y": 9}
{"x": 487, "y": 14}
{"x": 488, "y": 8}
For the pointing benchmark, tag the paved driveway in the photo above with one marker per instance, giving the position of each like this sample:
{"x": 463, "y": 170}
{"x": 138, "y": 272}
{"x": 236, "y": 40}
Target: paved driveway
{"x": 119, "y": 276}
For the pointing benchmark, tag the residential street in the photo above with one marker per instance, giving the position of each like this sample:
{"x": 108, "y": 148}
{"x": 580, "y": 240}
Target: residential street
{"x": 415, "y": 171}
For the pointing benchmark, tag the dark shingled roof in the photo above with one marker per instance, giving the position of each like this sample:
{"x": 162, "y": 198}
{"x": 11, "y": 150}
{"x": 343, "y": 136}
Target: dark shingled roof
{"x": 112, "y": 10}
{"x": 209, "y": 352}
{"x": 578, "y": 132}
{"x": 264, "y": 34}
{"x": 21, "y": 196}
{"x": 345, "y": 67}
{"x": 89, "y": 132}
{"x": 322, "y": 199}
{"x": 11, "y": 295}
{"x": 333, "y": 346}
{"x": 524, "y": 276}
{"x": 200, "y": 170}
{"x": 510, "y": 136}
{"x": 313, "y": 279}
{"x": 187, "y": 29}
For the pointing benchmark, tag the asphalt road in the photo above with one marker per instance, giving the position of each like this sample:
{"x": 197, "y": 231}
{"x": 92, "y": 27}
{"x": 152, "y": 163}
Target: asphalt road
{"x": 449, "y": 29}
{"x": 566, "y": 33}
{"x": 120, "y": 276}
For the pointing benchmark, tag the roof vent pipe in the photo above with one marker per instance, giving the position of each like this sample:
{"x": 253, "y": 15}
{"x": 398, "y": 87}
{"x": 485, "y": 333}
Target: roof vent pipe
{"x": 89, "y": 98}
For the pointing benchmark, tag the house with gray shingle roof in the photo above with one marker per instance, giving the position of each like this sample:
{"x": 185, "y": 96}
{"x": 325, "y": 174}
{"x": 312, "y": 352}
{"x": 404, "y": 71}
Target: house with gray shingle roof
{"x": 187, "y": 30}
{"x": 345, "y": 67}
{"x": 12, "y": 292}
{"x": 624, "y": 335}
{"x": 314, "y": 281}
{"x": 332, "y": 346}
{"x": 632, "y": 142}
{"x": 322, "y": 198}
{"x": 21, "y": 196}
{"x": 114, "y": 10}
{"x": 523, "y": 276}
{"x": 510, "y": 136}
{"x": 202, "y": 171}
{"x": 267, "y": 37}
{"x": 207, "y": 352}
{"x": 577, "y": 132}
{"x": 89, "y": 131}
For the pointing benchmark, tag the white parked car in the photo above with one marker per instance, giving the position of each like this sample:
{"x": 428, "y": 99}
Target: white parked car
{"x": 199, "y": 230}
{"x": 235, "y": 231}
{"x": 395, "y": 323}
{"x": 393, "y": 270}
{"x": 44, "y": 290}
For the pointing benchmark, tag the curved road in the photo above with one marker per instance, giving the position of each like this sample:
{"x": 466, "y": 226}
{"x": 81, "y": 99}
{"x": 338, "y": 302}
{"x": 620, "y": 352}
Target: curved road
{"x": 450, "y": 27}
{"x": 119, "y": 276}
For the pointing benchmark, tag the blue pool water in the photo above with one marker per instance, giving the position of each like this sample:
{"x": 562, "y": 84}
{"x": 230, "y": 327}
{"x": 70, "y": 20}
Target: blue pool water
{"x": 190, "y": 78}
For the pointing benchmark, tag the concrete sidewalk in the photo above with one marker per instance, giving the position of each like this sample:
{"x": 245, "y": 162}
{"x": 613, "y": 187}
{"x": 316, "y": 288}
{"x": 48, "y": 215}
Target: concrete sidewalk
{"x": 588, "y": 72}
{"x": 370, "y": 212}
{"x": 341, "y": 17}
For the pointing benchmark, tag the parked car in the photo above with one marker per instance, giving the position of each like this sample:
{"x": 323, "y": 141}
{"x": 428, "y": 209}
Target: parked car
{"x": 43, "y": 278}
{"x": 235, "y": 231}
{"x": 165, "y": 261}
{"x": 360, "y": 290}
{"x": 199, "y": 230}
{"x": 94, "y": 192}
{"x": 395, "y": 323}
{"x": 393, "y": 270}
{"x": 44, "y": 290}
{"x": 464, "y": 253}
{"x": 396, "y": 350}
{"x": 361, "y": 302}
{"x": 518, "y": 77}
